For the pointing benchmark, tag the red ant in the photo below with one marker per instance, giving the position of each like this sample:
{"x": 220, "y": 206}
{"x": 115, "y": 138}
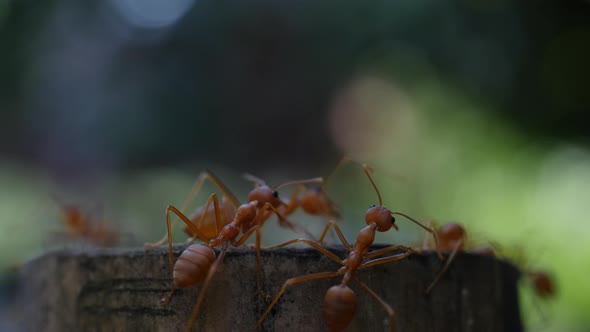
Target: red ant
{"x": 314, "y": 200}
{"x": 203, "y": 218}
{"x": 542, "y": 283}
{"x": 198, "y": 263}
{"x": 452, "y": 238}
{"x": 82, "y": 225}
{"x": 340, "y": 301}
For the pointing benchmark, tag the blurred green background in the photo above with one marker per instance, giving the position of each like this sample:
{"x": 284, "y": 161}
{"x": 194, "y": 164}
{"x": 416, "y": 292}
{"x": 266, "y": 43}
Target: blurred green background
{"x": 470, "y": 111}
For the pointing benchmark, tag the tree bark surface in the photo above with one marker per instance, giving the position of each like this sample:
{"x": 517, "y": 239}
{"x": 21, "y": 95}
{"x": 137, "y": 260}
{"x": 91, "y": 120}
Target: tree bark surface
{"x": 120, "y": 290}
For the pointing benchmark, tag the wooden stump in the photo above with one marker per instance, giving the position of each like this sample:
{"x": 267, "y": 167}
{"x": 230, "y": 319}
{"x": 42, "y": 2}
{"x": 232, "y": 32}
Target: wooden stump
{"x": 120, "y": 290}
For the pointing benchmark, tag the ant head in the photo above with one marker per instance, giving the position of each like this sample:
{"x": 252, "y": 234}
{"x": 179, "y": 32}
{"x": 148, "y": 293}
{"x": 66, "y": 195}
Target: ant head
{"x": 265, "y": 194}
{"x": 451, "y": 233}
{"x": 543, "y": 284}
{"x": 381, "y": 216}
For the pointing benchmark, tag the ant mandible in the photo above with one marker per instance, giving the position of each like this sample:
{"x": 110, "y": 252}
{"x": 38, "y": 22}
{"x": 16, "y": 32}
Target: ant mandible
{"x": 340, "y": 301}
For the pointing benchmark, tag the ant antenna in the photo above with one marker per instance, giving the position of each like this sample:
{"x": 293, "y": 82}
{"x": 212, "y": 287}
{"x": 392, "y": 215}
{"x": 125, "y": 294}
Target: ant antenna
{"x": 426, "y": 228}
{"x": 312, "y": 180}
{"x": 258, "y": 181}
{"x": 343, "y": 162}
{"x": 367, "y": 171}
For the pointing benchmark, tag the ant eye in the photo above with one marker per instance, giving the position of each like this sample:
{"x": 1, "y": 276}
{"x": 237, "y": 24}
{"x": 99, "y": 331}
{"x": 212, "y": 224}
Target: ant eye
{"x": 392, "y": 220}
{"x": 372, "y": 206}
{"x": 275, "y": 193}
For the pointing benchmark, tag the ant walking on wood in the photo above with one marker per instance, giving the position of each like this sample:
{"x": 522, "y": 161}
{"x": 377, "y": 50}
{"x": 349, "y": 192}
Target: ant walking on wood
{"x": 314, "y": 200}
{"x": 452, "y": 238}
{"x": 81, "y": 224}
{"x": 340, "y": 301}
{"x": 197, "y": 263}
{"x": 203, "y": 218}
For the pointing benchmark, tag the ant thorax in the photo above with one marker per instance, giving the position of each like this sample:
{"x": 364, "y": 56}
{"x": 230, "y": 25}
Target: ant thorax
{"x": 365, "y": 237}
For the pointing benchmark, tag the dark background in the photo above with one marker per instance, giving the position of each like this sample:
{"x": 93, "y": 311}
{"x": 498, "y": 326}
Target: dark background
{"x": 128, "y": 100}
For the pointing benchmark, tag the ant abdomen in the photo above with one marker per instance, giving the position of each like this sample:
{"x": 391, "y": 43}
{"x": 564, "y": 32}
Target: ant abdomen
{"x": 452, "y": 234}
{"x": 192, "y": 265}
{"x": 207, "y": 226}
{"x": 312, "y": 202}
{"x": 339, "y": 307}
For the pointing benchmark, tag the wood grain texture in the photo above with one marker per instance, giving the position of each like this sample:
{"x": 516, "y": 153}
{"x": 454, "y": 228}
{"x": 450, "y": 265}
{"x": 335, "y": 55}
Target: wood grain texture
{"x": 119, "y": 290}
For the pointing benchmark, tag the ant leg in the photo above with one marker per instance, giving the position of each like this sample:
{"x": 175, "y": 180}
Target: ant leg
{"x": 387, "y": 259}
{"x": 293, "y": 203}
{"x": 295, "y": 227}
{"x": 262, "y": 217}
{"x": 166, "y": 300}
{"x": 343, "y": 162}
{"x": 206, "y": 175}
{"x": 213, "y": 198}
{"x": 258, "y": 227}
{"x": 383, "y": 251}
{"x": 217, "y": 215}
{"x": 428, "y": 229}
{"x": 390, "y": 311}
{"x": 241, "y": 241}
{"x": 445, "y": 268}
{"x": 259, "y": 277}
{"x": 291, "y": 282}
{"x": 425, "y": 242}
{"x": 314, "y": 245}
{"x": 332, "y": 223}
{"x": 205, "y": 287}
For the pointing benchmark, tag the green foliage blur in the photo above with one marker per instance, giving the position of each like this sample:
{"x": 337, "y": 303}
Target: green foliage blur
{"x": 469, "y": 111}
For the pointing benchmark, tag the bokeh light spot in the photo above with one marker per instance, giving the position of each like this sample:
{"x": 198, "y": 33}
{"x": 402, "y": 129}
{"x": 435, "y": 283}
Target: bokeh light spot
{"x": 152, "y": 13}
